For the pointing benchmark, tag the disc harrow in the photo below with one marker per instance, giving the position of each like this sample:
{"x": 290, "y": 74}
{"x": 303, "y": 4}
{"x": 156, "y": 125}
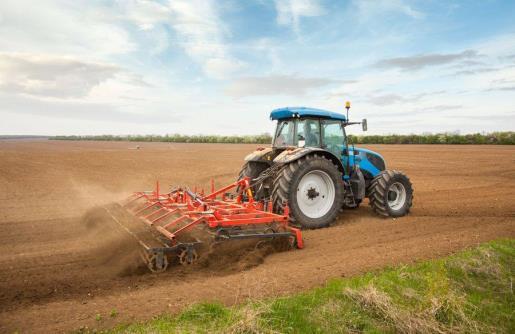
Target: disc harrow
{"x": 184, "y": 221}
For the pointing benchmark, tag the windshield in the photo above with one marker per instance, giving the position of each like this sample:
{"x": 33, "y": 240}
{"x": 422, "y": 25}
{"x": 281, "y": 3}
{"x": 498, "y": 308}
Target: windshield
{"x": 284, "y": 134}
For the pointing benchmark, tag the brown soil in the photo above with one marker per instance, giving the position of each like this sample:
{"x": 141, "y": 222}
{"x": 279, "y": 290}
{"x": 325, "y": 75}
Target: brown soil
{"x": 63, "y": 260}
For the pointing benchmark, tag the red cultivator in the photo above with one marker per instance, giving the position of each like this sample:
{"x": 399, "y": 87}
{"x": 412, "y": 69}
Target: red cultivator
{"x": 181, "y": 220}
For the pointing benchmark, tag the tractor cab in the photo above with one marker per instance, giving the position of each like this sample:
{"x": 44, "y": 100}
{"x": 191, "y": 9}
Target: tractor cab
{"x": 308, "y": 127}
{"x": 311, "y": 132}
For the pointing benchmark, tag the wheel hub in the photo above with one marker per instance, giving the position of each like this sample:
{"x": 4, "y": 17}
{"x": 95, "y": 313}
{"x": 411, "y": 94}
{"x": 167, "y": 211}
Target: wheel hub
{"x": 396, "y": 196}
{"x": 392, "y": 196}
{"x": 312, "y": 193}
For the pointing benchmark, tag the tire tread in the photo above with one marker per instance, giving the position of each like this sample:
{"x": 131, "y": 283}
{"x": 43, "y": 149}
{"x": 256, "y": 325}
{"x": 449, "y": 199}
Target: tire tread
{"x": 378, "y": 188}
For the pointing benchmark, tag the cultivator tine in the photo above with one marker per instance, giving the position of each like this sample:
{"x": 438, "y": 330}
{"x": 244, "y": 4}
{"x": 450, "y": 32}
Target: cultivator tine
{"x": 170, "y": 212}
{"x": 132, "y": 198}
{"x": 147, "y": 217}
{"x": 145, "y": 208}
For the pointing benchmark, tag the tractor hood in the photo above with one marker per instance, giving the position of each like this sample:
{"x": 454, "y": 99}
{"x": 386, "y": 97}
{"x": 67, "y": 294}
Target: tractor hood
{"x": 368, "y": 161}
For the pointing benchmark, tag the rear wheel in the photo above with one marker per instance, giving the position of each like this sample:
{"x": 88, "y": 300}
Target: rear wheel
{"x": 391, "y": 194}
{"x": 313, "y": 188}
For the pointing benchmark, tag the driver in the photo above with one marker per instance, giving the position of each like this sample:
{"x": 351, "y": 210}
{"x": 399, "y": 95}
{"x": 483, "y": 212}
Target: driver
{"x": 311, "y": 137}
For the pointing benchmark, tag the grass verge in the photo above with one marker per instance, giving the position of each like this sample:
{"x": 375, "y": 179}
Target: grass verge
{"x": 470, "y": 292}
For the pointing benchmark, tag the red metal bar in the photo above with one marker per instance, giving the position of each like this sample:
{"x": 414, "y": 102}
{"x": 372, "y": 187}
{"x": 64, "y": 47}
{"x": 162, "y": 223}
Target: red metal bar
{"x": 190, "y": 225}
{"x": 224, "y": 189}
{"x": 134, "y": 199}
{"x": 166, "y": 233}
{"x": 298, "y": 237}
{"x": 165, "y": 215}
{"x": 153, "y": 213}
{"x": 145, "y": 208}
{"x": 175, "y": 222}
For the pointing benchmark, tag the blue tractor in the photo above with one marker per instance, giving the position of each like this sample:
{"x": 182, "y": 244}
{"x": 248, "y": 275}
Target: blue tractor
{"x": 313, "y": 169}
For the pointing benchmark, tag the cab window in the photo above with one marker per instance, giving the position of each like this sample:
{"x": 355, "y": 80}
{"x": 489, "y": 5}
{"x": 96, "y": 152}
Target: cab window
{"x": 333, "y": 137}
{"x": 308, "y": 130}
{"x": 284, "y": 133}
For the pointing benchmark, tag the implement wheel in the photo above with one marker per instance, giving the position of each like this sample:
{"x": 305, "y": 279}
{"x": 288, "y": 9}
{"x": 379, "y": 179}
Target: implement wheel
{"x": 157, "y": 262}
{"x": 187, "y": 256}
{"x": 391, "y": 194}
{"x": 313, "y": 188}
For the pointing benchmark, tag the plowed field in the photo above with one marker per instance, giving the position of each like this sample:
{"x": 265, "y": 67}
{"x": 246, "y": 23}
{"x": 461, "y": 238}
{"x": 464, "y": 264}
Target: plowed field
{"x": 63, "y": 262}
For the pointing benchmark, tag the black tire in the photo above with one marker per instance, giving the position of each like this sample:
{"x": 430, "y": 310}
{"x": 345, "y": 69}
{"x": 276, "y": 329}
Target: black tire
{"x": 285, "y": 187}
{"x": 252, "y": 169}
{"x": 380, "y": 190}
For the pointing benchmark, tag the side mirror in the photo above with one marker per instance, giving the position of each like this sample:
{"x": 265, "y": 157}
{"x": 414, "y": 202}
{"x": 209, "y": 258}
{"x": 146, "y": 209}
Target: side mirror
{"x": 364, "y": 124}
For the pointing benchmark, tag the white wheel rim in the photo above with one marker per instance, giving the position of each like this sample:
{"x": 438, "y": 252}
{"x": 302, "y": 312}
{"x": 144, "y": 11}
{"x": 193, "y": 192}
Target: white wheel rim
{"x": 396, "y": 196}
{"x": 315, "y": 194}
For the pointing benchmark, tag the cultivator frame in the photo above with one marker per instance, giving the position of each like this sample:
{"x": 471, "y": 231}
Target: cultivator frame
{"x": 220, "y": 215}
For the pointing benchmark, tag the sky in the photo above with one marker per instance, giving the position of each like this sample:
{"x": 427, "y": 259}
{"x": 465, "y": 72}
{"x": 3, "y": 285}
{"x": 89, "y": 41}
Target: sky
{"x": 220, "y": 67}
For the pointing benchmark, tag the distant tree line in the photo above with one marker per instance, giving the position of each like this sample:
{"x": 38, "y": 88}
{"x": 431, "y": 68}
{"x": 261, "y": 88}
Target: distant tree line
{"x": 22, "y": 137}
{"x": 177, "y": 138}
{"x": 496, "y": 138}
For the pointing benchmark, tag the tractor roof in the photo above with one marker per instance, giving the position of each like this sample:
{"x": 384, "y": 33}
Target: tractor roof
{"x": 290, "y": 112}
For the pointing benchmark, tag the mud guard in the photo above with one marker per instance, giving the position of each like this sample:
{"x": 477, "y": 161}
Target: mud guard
{"x": 261, "y": 155}
{"x": 288, "y": 156}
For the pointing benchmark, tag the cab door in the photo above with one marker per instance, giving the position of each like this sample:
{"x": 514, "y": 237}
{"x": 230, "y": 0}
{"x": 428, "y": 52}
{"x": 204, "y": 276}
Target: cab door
{"x": 333, "y": 138}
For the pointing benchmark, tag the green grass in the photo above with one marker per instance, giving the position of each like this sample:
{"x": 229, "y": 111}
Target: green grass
{"x": 470, "y": 292}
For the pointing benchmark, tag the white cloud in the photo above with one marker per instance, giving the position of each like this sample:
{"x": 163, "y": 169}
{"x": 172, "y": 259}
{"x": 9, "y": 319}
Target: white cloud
{"x": 501, "y": 46}
{"x": 60, "y": 28}
{"x": 79, "y": 110}
{"x": 201, "y": 34}
{"x": 420, "y": 61}
{"x": 275, "y": 85}
{"x": 222, "y": 67}
{"x": 51, "y": 76}
{"x": 270, "y": 48}
{"x": 367, "y": 9}
{"x": 146, "y": 14}
{"x": 289, "y": 12}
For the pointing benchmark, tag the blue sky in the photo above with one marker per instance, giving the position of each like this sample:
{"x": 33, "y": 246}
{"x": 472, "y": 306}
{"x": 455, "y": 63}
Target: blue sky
{"x": 219, "y": 67}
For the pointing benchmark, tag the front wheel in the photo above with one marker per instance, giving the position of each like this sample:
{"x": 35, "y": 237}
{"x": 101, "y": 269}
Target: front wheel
{"x": 391, "y": 194}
